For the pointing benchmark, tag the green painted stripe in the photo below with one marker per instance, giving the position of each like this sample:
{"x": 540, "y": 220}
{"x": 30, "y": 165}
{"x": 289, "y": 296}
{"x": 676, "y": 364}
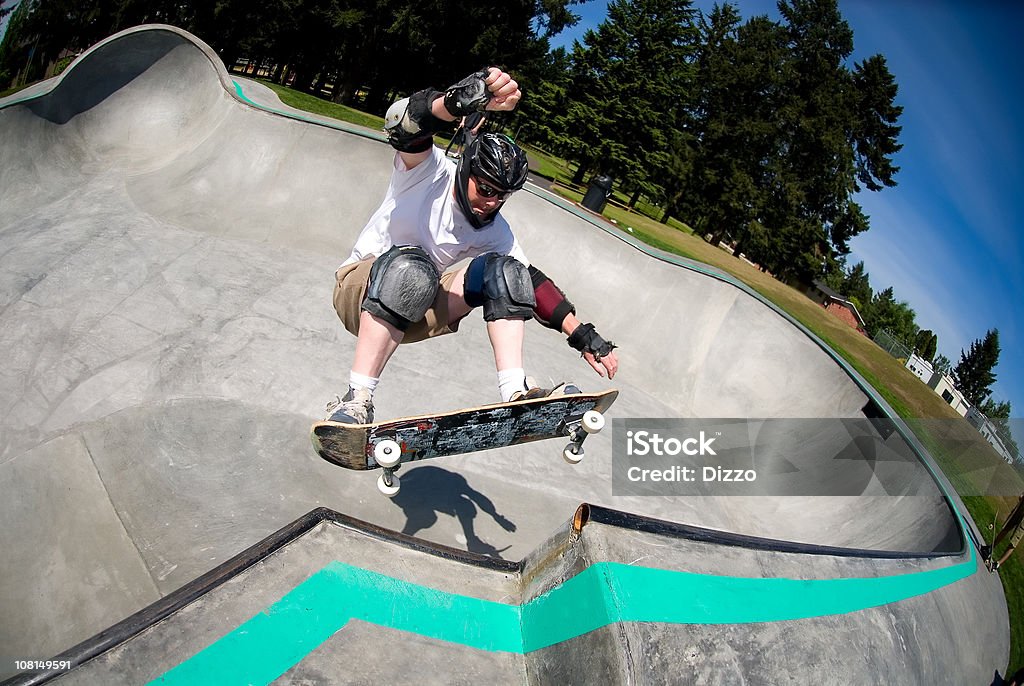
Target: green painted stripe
{"x": 272, "y": 642}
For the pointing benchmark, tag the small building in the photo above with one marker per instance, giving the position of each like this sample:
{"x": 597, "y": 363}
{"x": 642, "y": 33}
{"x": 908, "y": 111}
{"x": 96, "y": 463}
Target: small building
{"x": 836, "y": 304}
{"x": 987, "y": 428}
{"x": 921, "y": 367}
{"x": 943, "y": 385}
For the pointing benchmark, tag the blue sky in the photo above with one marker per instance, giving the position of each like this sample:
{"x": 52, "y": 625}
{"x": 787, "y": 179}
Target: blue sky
{"x": 948, "y": 238}
{"x": 3, "y": 22}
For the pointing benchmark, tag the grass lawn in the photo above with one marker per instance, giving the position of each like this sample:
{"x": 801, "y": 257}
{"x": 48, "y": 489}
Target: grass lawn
{"x": 314, "y": 105}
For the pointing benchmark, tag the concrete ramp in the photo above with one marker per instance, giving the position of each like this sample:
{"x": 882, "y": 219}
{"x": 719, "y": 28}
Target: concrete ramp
{"x": 609, "y": 598}
{"x": 168, "y": 241}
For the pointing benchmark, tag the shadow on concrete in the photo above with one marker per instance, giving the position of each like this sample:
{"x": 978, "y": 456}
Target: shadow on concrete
{"x": 429, "y": 491}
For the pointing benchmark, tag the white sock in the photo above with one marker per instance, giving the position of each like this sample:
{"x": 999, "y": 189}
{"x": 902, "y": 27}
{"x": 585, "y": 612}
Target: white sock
{"x": 360, "y": 381}
{"x": 510, "y": 381}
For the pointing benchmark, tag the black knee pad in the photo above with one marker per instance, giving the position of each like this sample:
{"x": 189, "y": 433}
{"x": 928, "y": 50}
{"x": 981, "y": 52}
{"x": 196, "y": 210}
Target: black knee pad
{"x": 403, "y": 285}
{"x": 502, "y": 285}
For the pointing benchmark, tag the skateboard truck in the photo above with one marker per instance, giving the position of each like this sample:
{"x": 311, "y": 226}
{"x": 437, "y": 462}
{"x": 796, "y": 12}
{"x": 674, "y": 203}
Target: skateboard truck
{"x": 388, "y": 455}
{"x": 590, "y": 423}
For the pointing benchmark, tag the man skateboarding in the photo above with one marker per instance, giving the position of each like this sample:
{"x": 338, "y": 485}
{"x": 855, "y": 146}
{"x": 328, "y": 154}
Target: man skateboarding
{"x": 398, "y": 287}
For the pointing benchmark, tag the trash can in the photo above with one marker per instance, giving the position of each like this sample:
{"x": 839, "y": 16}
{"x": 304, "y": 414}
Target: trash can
{"x": 597, "y": 194}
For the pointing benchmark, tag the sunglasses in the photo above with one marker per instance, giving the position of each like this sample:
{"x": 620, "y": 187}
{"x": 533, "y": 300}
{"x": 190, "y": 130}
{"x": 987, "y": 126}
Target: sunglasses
{"x": 489, "y": 191}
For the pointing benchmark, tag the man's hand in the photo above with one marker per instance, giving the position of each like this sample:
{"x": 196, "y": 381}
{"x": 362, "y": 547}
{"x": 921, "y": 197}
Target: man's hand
{"x": 505, "y": 93}
{"x": 599, "y": 353}
{"x": 608, "y": 363}
{"x": 489, "y": 89}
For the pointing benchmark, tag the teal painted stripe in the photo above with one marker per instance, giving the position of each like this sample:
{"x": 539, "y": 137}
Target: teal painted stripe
{"x": 272, "y": 642}
{"x": 611, "y": 592}
{"x": 336, "y": 124}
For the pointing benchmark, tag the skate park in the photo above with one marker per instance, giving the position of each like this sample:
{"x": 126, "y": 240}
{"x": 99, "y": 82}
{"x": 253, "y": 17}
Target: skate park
{"x": 170, "y": 238}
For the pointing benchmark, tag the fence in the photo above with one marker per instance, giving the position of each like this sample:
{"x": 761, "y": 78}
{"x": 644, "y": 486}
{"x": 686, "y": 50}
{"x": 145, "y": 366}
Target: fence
{"x": 892, "y": 345}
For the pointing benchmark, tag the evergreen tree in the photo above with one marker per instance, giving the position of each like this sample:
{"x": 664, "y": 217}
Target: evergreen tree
{"x": 816, "y": 113}
{"x": 834, "y": 129}
{"x": 629, "y": 77}
{"x": 857, "y": 284}
{"x": 874, "y": 133}
{"x": 942, "y": 365}
{"x": 782, "y": 134}
{"x": 996, "y": 410}
{"x": 974, "y": 375}
{"x": 926, "y": 344}
{"x": 545, "y": 98}
{"x": 931, "y": 347}
{"x": 835, "y": 273}
{"x": 734, "y": 126}
{"x": 13, "y": 55}
{"x": 885, "y": 313}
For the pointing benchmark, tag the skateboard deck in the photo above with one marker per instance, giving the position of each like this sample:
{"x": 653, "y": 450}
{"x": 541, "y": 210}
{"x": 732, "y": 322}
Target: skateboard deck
{"x": 355, "y": 446}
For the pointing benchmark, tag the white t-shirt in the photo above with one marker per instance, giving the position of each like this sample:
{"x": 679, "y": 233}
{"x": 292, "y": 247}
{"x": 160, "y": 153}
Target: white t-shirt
{"x": 420, "y": 209}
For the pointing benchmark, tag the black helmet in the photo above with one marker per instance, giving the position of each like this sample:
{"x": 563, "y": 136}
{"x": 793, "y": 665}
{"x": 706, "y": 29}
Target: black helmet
{"x": 495, "y": 158}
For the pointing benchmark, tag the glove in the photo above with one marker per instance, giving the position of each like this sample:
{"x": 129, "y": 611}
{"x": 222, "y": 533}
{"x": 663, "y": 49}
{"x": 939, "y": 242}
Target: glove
{"x": 585, "y": 339}
{"x": 468, "y": 95}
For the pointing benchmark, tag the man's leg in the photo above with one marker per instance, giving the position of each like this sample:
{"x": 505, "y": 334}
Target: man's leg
{"x": 506, "y": 337}
{"x": 377, "y": 342}
{"x": 401, "y": 286}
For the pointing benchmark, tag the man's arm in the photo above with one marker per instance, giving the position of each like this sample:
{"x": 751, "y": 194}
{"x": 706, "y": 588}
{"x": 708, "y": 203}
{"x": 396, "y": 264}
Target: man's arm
{"x": 554, "y": 311}
{"x": 412, "y": 122}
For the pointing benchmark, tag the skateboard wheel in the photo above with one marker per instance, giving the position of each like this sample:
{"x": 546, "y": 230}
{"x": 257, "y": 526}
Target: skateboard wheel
{"x": 392, "y": 490}
{"x": 573, "y": 453}
{"x": 593, "y": 421}
{"x": 387, "y": 453}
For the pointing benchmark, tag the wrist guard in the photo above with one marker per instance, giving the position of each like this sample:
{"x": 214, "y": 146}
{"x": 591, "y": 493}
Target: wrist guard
{"x": 411, "y": 125}
{"x": 468, "y": 95}
{"x": 585, "y": 339}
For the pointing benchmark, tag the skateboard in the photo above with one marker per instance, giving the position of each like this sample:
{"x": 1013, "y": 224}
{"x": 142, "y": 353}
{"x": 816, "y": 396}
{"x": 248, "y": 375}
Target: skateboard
{"x": 389, "y": 444}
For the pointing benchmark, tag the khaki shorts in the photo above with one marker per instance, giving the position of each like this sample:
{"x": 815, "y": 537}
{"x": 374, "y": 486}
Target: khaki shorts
{"x": 350, "y": 290}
